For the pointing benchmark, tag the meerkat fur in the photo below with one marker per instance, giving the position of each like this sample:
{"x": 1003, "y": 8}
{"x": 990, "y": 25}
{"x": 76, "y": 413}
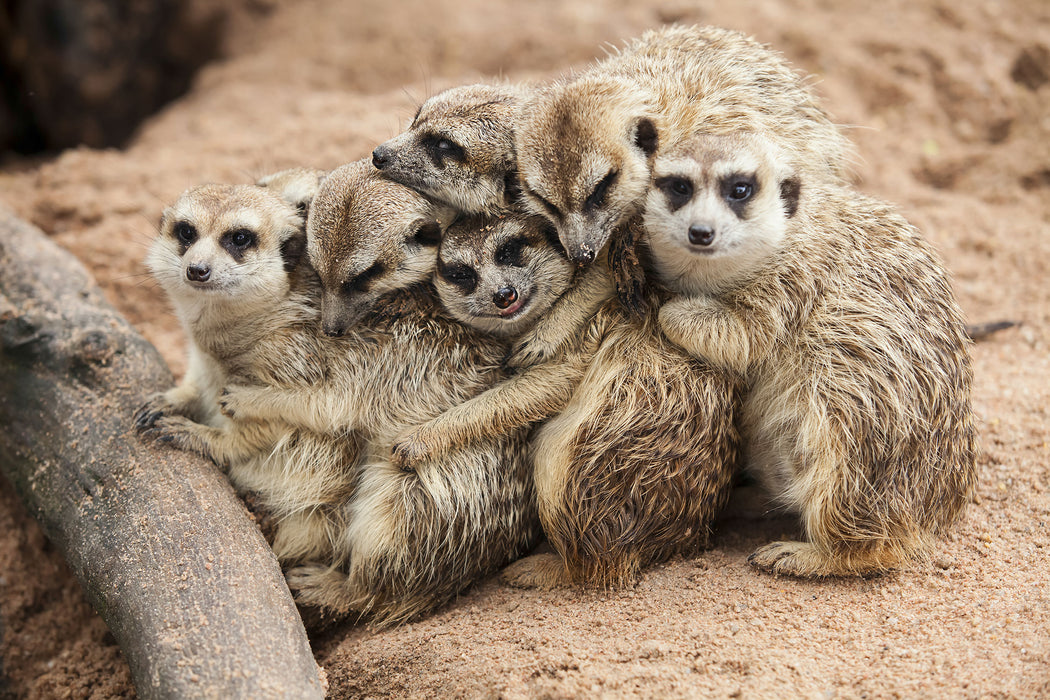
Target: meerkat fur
{"x": 586, "y": 143}
{"x": 229, "y": 257}
{"x": 408, "y": 540}
{"x": 841, "y": 321}
{"x": 297, "y": 186}
{"x": 459, "y": 149}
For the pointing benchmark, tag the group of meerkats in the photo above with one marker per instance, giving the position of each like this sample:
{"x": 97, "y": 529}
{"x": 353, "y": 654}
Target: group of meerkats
{"x": 574, "y": 310}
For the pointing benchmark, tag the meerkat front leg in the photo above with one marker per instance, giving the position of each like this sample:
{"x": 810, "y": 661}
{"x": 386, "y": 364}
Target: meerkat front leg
{"x": 224, "y": 446}
{"x": 566, "y": 320}
{"x": 707, "y": 328}
{"x": 327, "y": 410}
{"x": 537, "y": 393}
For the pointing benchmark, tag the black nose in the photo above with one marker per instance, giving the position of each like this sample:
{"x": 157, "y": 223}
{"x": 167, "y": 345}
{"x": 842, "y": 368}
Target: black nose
{"x": 198, "y": 273}
{"x": 701, "y": 235}
{"x": 583, "y": 256}
{"x": 336, "y": 332}
{"x": 505, "y": 297}
{"x": 380, "y": 157}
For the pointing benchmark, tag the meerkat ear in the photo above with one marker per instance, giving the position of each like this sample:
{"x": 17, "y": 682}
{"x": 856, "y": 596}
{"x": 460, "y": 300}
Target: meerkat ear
{"x": 292, "y": 250}
{"x": 645, "y": 136}
{"x": 428, "y": 233}
{"x": 511, "y": 188}
{"x": 790, "y": 190}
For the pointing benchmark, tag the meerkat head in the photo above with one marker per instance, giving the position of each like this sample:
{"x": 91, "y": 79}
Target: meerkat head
{"x": 297, "y": 186}
{"x": 499, "y": 275}
{"x": 459, "y": 149}
{"x": 226, "y": 244}
{"x": 718, "y": 208}
{"x": 585, "y": 148}
{"x": 368, "y": 235}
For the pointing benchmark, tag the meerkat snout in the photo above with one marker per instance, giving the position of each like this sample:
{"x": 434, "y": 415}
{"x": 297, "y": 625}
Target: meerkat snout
{"x": 198, "y": 272}
{"x": 503, "y": 298}
{"x": 701, "y": 235}
{"x": 380, "y": 156}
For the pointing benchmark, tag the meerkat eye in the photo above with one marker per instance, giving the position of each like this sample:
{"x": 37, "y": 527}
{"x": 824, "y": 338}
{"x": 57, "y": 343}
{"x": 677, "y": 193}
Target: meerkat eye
{"x": 184, "y": 232}
{"x": 597, "y": 197}
{"x": 678, "y": 190}
{"x": 363, "y": 280}
{"x": 442, "y": 148}
{"x": 740, "y": 191}
{"x": 241, "y": 238}
{"x": 737, "y": 190}
{"x": 509, "y": 253}
{"x": 462, "y": 276}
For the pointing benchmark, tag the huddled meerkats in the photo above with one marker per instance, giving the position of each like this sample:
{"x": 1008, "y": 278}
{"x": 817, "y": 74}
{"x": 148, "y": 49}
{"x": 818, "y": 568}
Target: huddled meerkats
{"x": 584, "y": 305}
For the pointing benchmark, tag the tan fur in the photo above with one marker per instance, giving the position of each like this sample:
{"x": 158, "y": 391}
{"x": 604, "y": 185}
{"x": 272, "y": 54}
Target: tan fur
{"x": 247, "y": 316}
{"x": 478, "y": 260}
{"x": 585, "y": 144}
{"x": 637, "y": 465}
{"x": 405, "y": 540}
{"x": 841, "y": 321}
{"x": 459, "y": 148}
{"x": 637, "y": 458}
{"x": 297, "y": 186}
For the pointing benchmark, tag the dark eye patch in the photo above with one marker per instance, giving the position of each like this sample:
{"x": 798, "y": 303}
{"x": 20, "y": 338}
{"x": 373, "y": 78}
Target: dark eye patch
{"x": 363, "y": 281}
{"x": 738, "y": 190}
{"x": 597, "y": 197}
{"x": 185, "y": 234}
{"x": 509, "y": 252}
{"x": 677, "y": 189}
{"x": 462, "y": 276}
{"x": 441, "y": 148}
{"x": 237, "y": 241}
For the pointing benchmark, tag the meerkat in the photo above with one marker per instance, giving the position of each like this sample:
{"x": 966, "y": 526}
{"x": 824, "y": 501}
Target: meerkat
{"x": 459, "y": 149}
{"x": 503, "y": 276}
{"x": 406, "y": 540}
{"x": 585, "y": 144}
{"x": 637, "y": 453}
{"x": 297, "y": 186}
{"x": 841, "y": 322}
{"x": 230, "y": 259}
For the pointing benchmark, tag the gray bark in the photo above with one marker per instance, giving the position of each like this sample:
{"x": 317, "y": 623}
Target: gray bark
{"x": 163, "y": 548}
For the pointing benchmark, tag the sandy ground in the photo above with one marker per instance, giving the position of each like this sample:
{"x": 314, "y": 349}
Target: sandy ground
{"x": 949, "y": 105}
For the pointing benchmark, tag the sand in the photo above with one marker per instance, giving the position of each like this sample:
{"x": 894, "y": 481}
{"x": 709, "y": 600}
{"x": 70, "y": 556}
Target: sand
{"x": 949, "y": 106}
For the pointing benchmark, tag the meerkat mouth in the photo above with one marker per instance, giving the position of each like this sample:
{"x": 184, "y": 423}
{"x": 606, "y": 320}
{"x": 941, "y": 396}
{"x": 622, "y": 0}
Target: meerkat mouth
{"x": 514, "y": 308}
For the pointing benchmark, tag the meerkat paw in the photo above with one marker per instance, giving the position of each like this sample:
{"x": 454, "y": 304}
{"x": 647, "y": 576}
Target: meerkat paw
{"x": 800, "y": 559}
{"x": 542, "y": 571}
{"x": 240, "y": 402}
{"x": 319, "y": 586}
{"x": 532, "y": 350}
{"x": 411, "y": 449}
{"x": 156, "y": 406}
{"x": 177, "y": 431}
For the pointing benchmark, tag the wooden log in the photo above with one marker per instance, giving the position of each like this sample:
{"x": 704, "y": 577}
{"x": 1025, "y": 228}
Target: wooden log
{"x": 164, "y": 549}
